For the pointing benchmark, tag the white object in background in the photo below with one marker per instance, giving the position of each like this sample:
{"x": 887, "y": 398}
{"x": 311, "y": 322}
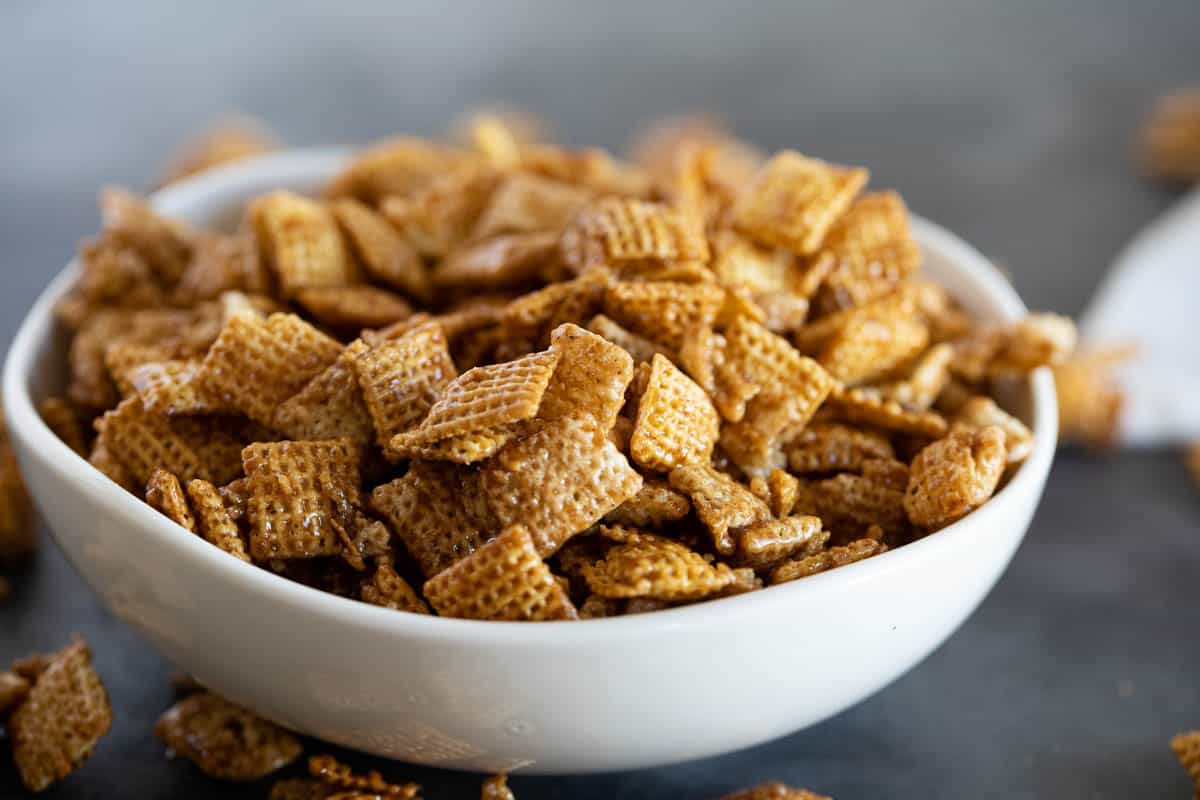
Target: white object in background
{"x": 552, "y": 697}
{"x": 1151, "y": 299}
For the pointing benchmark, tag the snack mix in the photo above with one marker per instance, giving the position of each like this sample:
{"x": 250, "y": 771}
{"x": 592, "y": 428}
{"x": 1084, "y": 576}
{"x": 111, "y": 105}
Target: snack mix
{"x": 497, "y": 379}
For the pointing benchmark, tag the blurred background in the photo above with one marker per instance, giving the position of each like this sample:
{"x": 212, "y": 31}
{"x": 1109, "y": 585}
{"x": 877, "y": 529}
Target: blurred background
{"x": 1011, "y": 123}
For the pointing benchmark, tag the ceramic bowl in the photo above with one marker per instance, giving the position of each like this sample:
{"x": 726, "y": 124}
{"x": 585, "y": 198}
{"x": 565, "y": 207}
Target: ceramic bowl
{"x": 564, "y": 697}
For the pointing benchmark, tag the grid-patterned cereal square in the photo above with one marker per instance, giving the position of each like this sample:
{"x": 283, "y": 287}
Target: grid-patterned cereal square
{"x": 980, "y": 412}
{"x": 353, "y": 308}
{"x": 301, "y": 494}
{"x": 225, "y": 741}
{"x": 144, "y": 442}
{"x": 397, "y": 166}
{"x": 868, "y": 408}
{"x": 656, "y": 504}
{"x": 528, "y": 203}
{"x": 639, "y": 348}
{"x": 173, "y": 387}
{"x": 663, "y": 311}
{"x": 439, "y": 217}
{"x": 331, "y": 406}
{"x": 559, "y": 481}
{"x": 505, "y": 579}
{"x": 401, "y": 378}
{"x": 387, "y": 588}
{"x": 676, "y": 422}
{"x": 954, "y": 475}
{"x": 723, "y": 505}
{"x": 826, "y": 560}
{"x": 592, "y": 374}
{"x": 871, "y": 249}
{"x": 849, "y": 504}
{"x": 385, "y": 255}
{"x": 793, "y": 201}
{"x": 301, "y": 242}
{"x": 214, "y": 521}
{"x": 501, "y": 262}
{"x": 834, "y": 447}
{"x": 463, "y": 448}
{"x": 768, "y": 543}
{"x": 616, "y": 231}
{"x": 649, "y": 566}
{"x": 925, "y": 382}
{"x": 60, "y": 417}
{"x": 165, "y": 495}
{"x": 869, "y": 346}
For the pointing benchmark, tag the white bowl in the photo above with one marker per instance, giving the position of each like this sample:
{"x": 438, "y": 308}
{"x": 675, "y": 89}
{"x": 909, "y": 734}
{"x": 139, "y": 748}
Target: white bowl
{"x": 563, "y": 697}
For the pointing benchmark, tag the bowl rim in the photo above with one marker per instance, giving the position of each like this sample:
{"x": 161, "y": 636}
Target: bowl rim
{"x": 24, "y": 422}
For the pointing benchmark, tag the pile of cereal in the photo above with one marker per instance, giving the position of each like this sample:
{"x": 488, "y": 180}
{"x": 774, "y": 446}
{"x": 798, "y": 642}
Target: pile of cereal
{"x": 499, "y": 379}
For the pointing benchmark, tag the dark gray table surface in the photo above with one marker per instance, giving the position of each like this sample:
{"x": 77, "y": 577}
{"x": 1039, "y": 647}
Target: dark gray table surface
{"x": 1009, "y": 122}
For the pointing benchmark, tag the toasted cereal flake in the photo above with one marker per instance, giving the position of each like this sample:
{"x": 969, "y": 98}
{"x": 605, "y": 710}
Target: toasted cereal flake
{"x": 676, "y": 422}
{"x": 954, "y": 475}
{"x": 793, "y": 201}
{"x": 558, "y": 481}
{"x": 341, "y": 777}
{"x": 872, "y": 251}
{"x": 528, "y": 203}
{"x": 652, "y": 567}
{"x": 925, "y": 382}
{"x": 775, "y": 791}
{"x": 505, "y": 579}
{"x": 173, "y": 387}
{"x": 301, "y": 242}
{"x": 163, "y": 244}
{"x": 768, "y": 543}
{"x": 463, "y": 448}
{"x": 512, "y": 260}
{"x": 302, "y": 493}
{"x": 215, "y": 523}
{"x": 254, "y": 366}
{"x": 353, "y": 307}
{"x": 13, "y": 689}
{"x": 108, "y": 465}
{"x": 1186, "y": 747}
{"x": 165, "y": 495}
{"x": 397, "y": 166}
{"x": 723, "y": 505}
{"x": 496, "y": 788}
{"x": 60, "y": 416}
{"x": 815, "y": 335}
{"x": 783, "y": 491}
{"x": 225, "y": 741}
{"x": 222, "y": 263}
{"x": 1090, "y": 400}
{"x": 533, "y": 316}
{"x": 826, "y": 560}
{"x": 331, "y": 406}
{"x": 617, "y": 231}
{"x": 739, "y": 262}
{"x": 762, "y": 358}
{"x": 60, "y": 721}
{"x": 388, "y": 589}
{"x": 639, "y": 348}
{"x": 439, "y": 217}
{"x": 834, "y": 447}
{"x": 656, "y": 504}
{"x": 402, "y": 378}
{"x": 384, "y": 253}
{"x": 488, "y": 397}
{"x": 1038, "y": 340}
{"x": 235, "y": 495}
{"x": 782, "y": 313}
{"x": 850, "y": 504}
{"x": 438, "y": 511}
{"x": 663, "y": 311}
{"x": 868, "y": 347}
{"x": 867, "y": 408}
{"x": 980, "y": 412}
{"x": 592, "y": 374}
{"x": 121, "y": 358}
{"x": 144, "y": 442}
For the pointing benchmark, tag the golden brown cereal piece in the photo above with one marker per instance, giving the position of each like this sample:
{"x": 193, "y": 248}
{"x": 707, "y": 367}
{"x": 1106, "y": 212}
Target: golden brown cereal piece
{"x": 121, "y": 358}
{"x": 60, "y": 721}
{"x": 505, "y": 579}
{"x": 90, "y": 386}
{"x": 144, "y": 442}
{"x": 531, "y": 317}
{"x": 759, "y": 359}
{"x": 834, "y": 447}
{"x": 980, "y": 412}
{"x": 592, "y": 374}
{"x": 1170, "y": 138}
{"x": 782, "y": 313}
{"x": 300, "y": 789}
{"x": 222, "y": 263}
{"x": 656, "y": 504}
{"x": 850, "y": 504}
{"x": 767, "y": 543}
{"x": 500, "y": 262}
{"x": 774, "y": 791}
{"x": 872, "y": 250}
{"x": 32, "y": 665}
{"x": 1089, "y": 399}
{"x": 215, "y": 523}
{"x": 402, "y": 378}
{"x": 618, "y": 231}
{"x": 640, "y": 348}
{"x": 301, "y": 242}
{"x": 384, "y": 253}
{"x": 108, "y": 465}
{"x": 826, "y": 560}
{"x": 327, "y": 770}
{"x": 438, "y": 511}
{"x": 925, "y": 382}
{"x": 528, "y": 203}
{"x": 225, "y": 741}
{"x": 231, "y": 139}
{"x": 558, "y": 481}
{"x": 398, "y": 166}
{"x": 496, "y": 788}
{"x": 793, "y": 201}
{"x": 1186, "y": 747}
{"x": 723, "y": 505}
{"x": 954, "y": 475}
{"x": 163, "y": 244}
{"x": 1036, "y": 341}
{"x": 388, "y": 589}
{"x": 868, "y": 408}
{"x": 783, "y": 490}
{"x": 173, "y": 387}
{"x": 60, "y": 416}
{"x": 350, "y": 308}
{"x": 868, "y": 347}
{"x": 652, "y": 567}
{"x": 500, "y": 133}
{"x": 439, "y": 217}
{"x": 663, "y": 311}
{"x": 464, "y": 448}
{"x": 676, "y": 422}
{"x": 13, "y": 689}
{"x": 165, "y": 495}
{"x": 488, "y": 397}
{"x": 331, "y": 406}
{"x": 254, "y": 366}
{"x": 302, "y": 493}
{"x": 597, "y": 607}
{"x": 740, "y": 263}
